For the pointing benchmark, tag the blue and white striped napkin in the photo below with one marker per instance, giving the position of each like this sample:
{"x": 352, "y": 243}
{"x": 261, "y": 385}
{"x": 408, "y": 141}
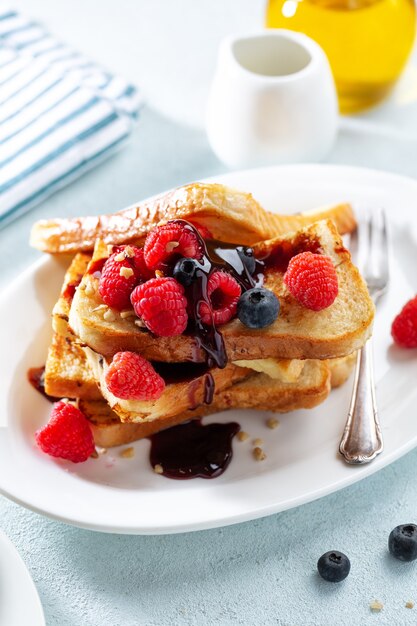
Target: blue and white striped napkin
{"x": 60, "y": 114}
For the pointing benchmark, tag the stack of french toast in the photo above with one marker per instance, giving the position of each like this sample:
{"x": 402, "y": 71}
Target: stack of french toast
{"x": 195, "y": 283}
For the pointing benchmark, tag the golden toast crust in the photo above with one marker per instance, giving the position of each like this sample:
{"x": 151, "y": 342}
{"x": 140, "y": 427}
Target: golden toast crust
{"x": 230, "y": 215}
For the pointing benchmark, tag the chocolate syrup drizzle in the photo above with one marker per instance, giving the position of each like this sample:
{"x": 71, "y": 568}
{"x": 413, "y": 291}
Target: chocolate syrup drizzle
{"x": 36, "y": 377}
{"x": 217, "y": 257}
{"x": 193, "y": 450}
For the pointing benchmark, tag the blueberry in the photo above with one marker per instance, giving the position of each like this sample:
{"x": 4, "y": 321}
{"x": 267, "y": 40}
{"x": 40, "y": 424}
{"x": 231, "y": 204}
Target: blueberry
{"x": 333, "y": 566}
{"x": 248, "y": 258}
{"x": 402, "y": 542}
{"x": 257, "y": 307}
{"x": 184, "y": 271}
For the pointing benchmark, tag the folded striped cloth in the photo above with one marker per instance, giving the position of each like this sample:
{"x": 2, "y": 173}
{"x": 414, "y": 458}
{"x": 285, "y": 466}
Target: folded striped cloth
{"x": 60, "y": 114}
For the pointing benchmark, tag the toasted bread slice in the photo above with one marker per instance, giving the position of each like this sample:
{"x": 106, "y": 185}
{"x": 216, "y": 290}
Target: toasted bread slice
{"x": 187, "y": 386}
{"x": 109, "y": 431}
{"x": 255, "y": 392}
{"x": 72, "y": 279}
{"x": 67, "y": 367}
{"x": 67, "y": 374}
{"x": 230, "y": 215}
{"x": 298, "y": 333}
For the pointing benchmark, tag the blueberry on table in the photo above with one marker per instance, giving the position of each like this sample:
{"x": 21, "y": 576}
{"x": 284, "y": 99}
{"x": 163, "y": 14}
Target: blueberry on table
{"x": 333, "y": 566}
{"x": 258, "y": 307}
{"x": 402, "y": 542}
{"x": 184, "y": 271}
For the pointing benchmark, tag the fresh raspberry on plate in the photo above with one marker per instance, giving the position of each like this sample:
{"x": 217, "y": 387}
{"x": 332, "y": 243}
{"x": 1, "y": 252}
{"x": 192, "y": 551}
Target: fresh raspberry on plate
{"x": 131, "y": 377}
{"x": 67, "y": 435}
{"x": 312, "y": 280}
{"x": 170, "y": 240}
{"x": 121, "y": 273}
{"x": 404, "y": 326}
{"x": 223, "y": 292}
{"x": 162, "y": 306}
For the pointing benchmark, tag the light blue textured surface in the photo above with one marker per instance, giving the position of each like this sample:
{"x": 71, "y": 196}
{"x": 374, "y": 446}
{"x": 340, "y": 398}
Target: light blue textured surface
{"x": 260, "y": 572}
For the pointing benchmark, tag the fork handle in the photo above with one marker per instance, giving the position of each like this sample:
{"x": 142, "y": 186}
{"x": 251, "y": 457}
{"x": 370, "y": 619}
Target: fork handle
{"x": 362, "y": 440}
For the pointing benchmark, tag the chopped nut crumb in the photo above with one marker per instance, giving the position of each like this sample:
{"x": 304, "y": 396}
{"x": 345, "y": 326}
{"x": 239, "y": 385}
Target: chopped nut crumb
{"x": 159, "y": 274}
{"x": 140, "y": 323}
{"x": 125, "y": 314}
{"x": 109, "y": 315}
{"x": 409, "y": 605}
{"x": 127, "y": 453}
{"x": 101, "y": 307}
{"x": 101, "y": 451}
{"x": 272, "y": 422}
{"x": 171, "y": 245}
{"x": 120, "y": 257}
{"x": 376, "y": 606}
{"x": 259, "y": 454}
{"x": 126, "y": 272}
{"x": 242, "y": 436}
{"x": 109, "y": 249}
{"x": 89, "y": 289}
{"x": 129, "y": 252}
{"x": 258, "y": 442}
{"x": 94, "y": 455}
{"x": 158, "y": 469}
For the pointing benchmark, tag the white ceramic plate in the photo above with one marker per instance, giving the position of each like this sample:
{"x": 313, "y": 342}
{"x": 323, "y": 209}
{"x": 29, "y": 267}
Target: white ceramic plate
{"x": 19, "y": 600}
{"x": 125, "y": 495}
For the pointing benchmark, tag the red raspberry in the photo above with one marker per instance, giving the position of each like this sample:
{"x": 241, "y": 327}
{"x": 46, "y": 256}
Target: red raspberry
{"x": 161, "y": 304}
{"x": 203, "y": 230}
{"x": 173, "y": 238}
{"x": 131, "y": 377}
{"x": 312, "y": 280}
{"x": 67, "y": 435}
{"x": 114, "y": 287}
{"x": 404, "y": 326}
{"x": 223, "y": 292}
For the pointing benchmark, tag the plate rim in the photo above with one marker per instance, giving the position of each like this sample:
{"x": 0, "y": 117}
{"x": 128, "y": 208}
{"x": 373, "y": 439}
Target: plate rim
{"x": 17, "y": 558}
{"x": 358, "y": 473}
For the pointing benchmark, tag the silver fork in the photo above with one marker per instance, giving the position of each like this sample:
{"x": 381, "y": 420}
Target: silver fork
{"x": 362, "y": 440}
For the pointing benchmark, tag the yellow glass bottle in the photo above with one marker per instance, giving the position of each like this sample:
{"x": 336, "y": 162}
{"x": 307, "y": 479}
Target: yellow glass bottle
{"x": 367, "y": 41}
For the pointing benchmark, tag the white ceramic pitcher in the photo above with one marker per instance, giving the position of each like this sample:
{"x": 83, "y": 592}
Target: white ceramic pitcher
{"x": 272, "y": 100}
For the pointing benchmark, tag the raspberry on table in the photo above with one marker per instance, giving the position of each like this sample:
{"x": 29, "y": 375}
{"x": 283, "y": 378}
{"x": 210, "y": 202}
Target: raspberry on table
{"x": 170, "y": 240}
{"x": 223, "y": 292}
{"x": 131, "y": 377}
{"x": 67, "y": 435}
{"x": 312, "y": 280}
{"x": 404, "y": 326}
{"x": 122, "y": 271}
{"x": 162, "y": 306}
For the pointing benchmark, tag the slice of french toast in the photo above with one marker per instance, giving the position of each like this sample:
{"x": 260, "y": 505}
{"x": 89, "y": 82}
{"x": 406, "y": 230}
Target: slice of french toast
{"x": 67, "y": 374}
{"x": 187, "y": 385}
{"x": 297, "y": 333}
{"x": 278, "y": 397}
{"x": 255, "y": 392}
{"x": 72, "y": 279}
{"x": 230, "y": 215}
